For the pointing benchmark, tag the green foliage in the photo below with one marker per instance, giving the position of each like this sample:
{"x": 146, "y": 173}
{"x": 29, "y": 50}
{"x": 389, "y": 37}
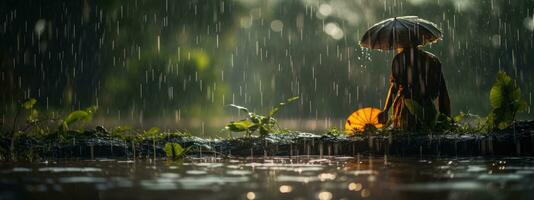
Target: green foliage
{"x": 334, "y": 132}
{"x": 28, "y": 104}
{"x": 265, "y": 123}
{"x": 33, "y": 115}
{"x": 85, "y": 115}
{"x": 31, "y": 121}
{"x": 467, "y": 122}
{"x": 505, "y": 100}
{"x": 152, "y": 132}
{"x": 120, "y": 132}
{"x": 129, "y": 134}
{"x": 174, "y": 150}
{"x": 444, "y": 122}
{"x": 242, "y": 125}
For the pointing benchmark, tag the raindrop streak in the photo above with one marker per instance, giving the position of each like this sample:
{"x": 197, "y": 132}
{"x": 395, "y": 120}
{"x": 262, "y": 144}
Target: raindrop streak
{"x": 150, "y": 58}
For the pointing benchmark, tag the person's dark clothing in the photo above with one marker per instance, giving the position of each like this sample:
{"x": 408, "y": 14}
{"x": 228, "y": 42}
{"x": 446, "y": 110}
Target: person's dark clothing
{"x": 417, "y": 75}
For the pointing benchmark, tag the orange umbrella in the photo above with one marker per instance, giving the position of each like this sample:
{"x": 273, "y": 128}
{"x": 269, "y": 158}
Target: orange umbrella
{"x": 362, "y": 119}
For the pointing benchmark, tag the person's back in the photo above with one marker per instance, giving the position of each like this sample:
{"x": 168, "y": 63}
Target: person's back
{"x": 416, "y": 75}
{"x": 419, "y": 73}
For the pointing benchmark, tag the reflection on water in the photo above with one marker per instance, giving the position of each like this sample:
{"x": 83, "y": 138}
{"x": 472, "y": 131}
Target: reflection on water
{"x": 273, "y": 178}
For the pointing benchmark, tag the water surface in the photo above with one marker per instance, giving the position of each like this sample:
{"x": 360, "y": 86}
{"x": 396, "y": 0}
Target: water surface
{"x": 360, "y": 177}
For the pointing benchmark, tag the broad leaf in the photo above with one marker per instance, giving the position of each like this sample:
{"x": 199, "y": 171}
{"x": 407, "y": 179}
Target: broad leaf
{"x": 496, "y": 96}
{"x": 76, "y": 116}
{"x": 505, "y": 99}
{"x": 240, "y": 126}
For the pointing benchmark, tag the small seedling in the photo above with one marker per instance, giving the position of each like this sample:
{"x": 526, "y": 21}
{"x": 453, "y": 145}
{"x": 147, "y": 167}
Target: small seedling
{"x": 264, "y": 123}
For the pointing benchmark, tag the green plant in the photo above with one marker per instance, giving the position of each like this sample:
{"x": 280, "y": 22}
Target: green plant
{"x": 151, "y": 133}
{"x": 506, "y": 102}
{"x": 174, "y": 150}
{"x": 85, "y": 115}
{"x": 31, "y": 120}
{"x": 265, "y": 123}
{"x": 120, "y": 132}
{"x": 468, "y": 122}
{"x": 334, "y": 132}
{"x": 33, "y": 115}
{"x": 444, "y": 123}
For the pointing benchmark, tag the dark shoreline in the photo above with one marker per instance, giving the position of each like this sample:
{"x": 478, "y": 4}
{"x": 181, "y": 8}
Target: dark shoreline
{"x": 518, "y": 140}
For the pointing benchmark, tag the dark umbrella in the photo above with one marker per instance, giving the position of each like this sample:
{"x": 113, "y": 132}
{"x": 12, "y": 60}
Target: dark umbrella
{"x": 400, "y": 32}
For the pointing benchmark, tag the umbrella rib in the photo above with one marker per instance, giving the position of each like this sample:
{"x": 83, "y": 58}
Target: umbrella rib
{"x": 436, "y": 33}
{"x": 373, "y": 41}
{"x": 359, "y": 117}
{"x": 405, "y": 26}
{"x": 392, "y": 36}
{"x": 355, "y": 116}
{"x": 359, "y": 124}
{"x": 432, "y": 29}
{"x": 388, "y": 35}
{"x": 371, "y": 115}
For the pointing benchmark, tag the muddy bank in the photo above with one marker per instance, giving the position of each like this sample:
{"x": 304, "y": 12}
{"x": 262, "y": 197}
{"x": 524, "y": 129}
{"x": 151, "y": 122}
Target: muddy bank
{"x": 518, "y": 140}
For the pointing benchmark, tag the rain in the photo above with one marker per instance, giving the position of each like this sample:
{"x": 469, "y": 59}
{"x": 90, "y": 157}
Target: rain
{"x": 145, "y": 61}
{"x": 183, "y": 67}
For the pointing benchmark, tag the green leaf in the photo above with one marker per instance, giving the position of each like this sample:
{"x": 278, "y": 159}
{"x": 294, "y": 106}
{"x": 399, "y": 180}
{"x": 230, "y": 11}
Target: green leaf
{"x": 264, "y": 130}
{"x": 334, "y": 132}
{"x": 241, "y": 108}
{"x": 28, "y": 104}
{"x": 34, "y": 116}
{"x": 458, "y": 118}
{"x": 505, "y": 100}
{"x": 120, "y": 129}
{"x": 174, "y": 150}
{"x": 76, "y": 116}
{"x": 503, "y": 78}
{"x": 292, "y": 99}
{"x": 496, "y": 96}
{"x": 276, "y": 108}
{"x": 91, "y": 110}
{"x": 503, "y": 125}
{"x": 152, "y": 132}
{"x": 240, "y": 126}
{"x": 85, "y": 115}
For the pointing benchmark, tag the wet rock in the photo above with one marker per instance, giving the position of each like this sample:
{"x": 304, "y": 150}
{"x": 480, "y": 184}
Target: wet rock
{"x": 101, "y": 129}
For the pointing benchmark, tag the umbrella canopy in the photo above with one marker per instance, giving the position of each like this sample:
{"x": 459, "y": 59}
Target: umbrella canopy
{"x": 400, "y": 32}
{"x": 361, "y": 120}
